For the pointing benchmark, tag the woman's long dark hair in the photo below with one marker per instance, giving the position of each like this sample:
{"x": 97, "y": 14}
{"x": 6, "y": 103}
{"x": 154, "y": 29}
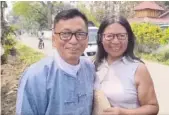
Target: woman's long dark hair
{"x": 101, "y": 53}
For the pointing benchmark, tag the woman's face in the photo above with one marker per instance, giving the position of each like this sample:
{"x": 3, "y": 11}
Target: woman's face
{"x": 115, "y": 40}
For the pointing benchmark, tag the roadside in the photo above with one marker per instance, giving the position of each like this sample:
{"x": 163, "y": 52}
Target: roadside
{"x": 11, "y": 73}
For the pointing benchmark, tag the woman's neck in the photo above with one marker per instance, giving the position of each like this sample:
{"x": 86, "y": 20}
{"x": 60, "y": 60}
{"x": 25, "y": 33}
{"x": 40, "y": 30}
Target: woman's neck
{"x": 111, "y": 59}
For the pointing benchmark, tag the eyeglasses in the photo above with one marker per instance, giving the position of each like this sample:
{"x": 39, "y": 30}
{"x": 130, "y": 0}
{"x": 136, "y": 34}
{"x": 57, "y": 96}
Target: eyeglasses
{"x": 68, "y": 35}
{"x": 111, "y": 36}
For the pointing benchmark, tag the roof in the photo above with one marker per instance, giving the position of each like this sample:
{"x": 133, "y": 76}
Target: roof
{"x": 148, "y": 5}
{"x": 164, "y": 14}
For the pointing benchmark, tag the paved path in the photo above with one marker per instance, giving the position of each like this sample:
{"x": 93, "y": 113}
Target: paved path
{"x": 159, "y": 73}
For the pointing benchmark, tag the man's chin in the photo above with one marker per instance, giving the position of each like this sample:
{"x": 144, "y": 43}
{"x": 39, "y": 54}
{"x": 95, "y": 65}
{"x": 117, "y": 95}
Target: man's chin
{"x": 74, "y": 56}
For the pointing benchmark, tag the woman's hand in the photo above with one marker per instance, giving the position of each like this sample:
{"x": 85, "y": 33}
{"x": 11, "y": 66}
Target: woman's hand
{"x": 112, "y": 111}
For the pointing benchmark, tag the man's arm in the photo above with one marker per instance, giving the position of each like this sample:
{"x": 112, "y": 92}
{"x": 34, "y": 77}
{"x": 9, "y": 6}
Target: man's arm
{"x": 30, "y": 96}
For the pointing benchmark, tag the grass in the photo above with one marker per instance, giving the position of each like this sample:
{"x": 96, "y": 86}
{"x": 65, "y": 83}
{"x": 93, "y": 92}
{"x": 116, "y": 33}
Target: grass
{"x": 28, "y": 55}
{"x": 161, "y": 57}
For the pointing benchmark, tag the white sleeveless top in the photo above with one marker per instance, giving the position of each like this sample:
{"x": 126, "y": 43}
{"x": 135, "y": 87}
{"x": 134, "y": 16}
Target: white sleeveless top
{"x": 117, "y": 82}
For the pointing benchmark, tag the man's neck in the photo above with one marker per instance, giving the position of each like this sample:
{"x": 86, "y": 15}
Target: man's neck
{"x": 72, "y": 62}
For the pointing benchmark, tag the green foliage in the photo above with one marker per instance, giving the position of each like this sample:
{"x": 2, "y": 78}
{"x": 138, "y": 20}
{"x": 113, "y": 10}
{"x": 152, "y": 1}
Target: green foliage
{"x": 10, "y": 43}
{"x": 148, "y": 36}
{"x": 27, "y": 9}
{"x": 32, "y": 12}
{"x": 89, "y": 15}
{"x": 10, "y": 39}
{"x": 14, "y": 27}
{"x": 147, "y": 33}
{"x": 27, "y": 54}
{"x": 162, "y": 57}
{"x": 165, "y": 38}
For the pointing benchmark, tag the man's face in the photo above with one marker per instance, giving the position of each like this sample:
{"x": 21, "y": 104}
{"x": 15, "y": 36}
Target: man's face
{"x": 70, "y": 50}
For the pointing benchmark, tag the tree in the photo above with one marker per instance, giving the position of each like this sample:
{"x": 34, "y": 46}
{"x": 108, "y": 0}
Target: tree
{"x": 7, "y": 38}
{"x": 3, "y": 5}
{"x": 40, "y": 12}
{"x": 86, "y": 11}
{"x": 164, "y": 4}
{"x": 101, "y": 9}
{"x": 31, "y": 13}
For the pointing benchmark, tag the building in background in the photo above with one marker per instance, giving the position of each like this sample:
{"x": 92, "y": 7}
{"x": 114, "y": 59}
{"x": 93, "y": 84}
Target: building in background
{"x": 152, "y": 13}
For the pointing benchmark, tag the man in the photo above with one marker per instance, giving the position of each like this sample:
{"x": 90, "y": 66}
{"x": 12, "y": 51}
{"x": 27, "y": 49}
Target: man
{"x": 41, "y": 43}
{"x": 62, "y": 84}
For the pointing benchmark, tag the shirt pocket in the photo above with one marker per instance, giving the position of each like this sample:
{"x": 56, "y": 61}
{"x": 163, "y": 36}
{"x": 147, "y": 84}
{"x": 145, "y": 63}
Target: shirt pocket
{"x": 70, "y": 101}
{"x": 85, "y": 99}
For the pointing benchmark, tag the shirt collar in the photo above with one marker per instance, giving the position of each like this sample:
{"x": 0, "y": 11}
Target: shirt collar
{"x": 68, "y": 68}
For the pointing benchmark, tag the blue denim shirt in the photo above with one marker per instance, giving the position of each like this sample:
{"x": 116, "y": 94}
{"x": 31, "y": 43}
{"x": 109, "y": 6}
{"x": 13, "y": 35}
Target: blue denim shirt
{"x": 45, "y": 89}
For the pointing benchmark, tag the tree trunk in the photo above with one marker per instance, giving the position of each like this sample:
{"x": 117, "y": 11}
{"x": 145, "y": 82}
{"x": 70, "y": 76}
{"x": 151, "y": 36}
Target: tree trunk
{"x": 3, "y": 31}
{"x": 49, "y": 14}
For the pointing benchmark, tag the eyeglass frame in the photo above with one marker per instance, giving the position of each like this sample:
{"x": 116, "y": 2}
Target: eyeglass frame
{"x": 72, "y": 33}
{"x": 126, "y": 35}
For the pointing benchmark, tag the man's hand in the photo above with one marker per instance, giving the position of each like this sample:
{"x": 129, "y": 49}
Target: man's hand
{"x": 112, "y": 111}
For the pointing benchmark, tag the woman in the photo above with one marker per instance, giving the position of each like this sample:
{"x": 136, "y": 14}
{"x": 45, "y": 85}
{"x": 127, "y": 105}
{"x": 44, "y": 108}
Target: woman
{"x": 122, "y": 76}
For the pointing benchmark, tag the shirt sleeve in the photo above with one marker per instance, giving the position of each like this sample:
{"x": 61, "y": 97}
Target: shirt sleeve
{"x": 31, "y": 94}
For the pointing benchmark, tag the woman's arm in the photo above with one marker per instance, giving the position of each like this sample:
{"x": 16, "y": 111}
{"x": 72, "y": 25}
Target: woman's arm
{"x": 146, "y": 96}
{"x": 146, "y": 92}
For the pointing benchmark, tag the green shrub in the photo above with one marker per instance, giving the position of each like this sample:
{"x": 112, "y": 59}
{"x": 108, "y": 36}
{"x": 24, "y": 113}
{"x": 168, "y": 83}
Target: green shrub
{"x": 165, "y": 38}
{"x": 10, "y": 43}
{"x": 162, "y": 57}
{"x": 148, "y": 36}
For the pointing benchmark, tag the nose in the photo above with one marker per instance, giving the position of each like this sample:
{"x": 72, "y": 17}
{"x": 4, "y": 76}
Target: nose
{"x": 115, "y": 40}
{"x": 73, "y": 40}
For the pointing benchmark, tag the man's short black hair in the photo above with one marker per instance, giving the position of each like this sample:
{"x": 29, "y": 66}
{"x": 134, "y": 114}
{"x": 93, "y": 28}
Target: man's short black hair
{"x": 68, "y": 14}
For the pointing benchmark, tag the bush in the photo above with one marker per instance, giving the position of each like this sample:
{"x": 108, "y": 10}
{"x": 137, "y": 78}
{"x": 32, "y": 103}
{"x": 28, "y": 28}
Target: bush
{"x": 165, "y": 38}
{"x": 162, "y": 57}
{"x": 8, "y": 40}
{"x": 9, "y": 48}
{"x": 148, "y": 36}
